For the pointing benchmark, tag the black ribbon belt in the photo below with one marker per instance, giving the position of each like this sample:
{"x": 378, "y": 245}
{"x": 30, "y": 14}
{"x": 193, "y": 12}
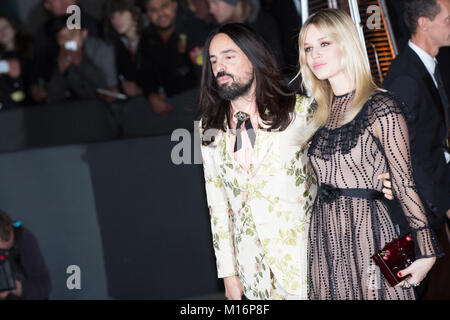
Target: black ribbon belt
{"x": 328, "y": 193}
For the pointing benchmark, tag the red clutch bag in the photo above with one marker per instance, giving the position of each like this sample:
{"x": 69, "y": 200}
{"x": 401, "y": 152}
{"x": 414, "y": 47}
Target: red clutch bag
{"x": 394, "y": 257}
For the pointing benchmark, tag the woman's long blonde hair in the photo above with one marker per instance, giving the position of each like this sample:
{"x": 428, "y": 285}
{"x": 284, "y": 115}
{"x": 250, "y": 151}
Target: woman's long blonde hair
{"x": 339, "y": 26}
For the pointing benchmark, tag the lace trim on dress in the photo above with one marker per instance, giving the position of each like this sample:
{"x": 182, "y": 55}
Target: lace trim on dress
{"x": 327, "y": 142}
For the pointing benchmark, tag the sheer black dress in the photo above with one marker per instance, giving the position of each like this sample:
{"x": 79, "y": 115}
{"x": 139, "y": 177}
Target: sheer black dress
{"x": 346, "y": 231}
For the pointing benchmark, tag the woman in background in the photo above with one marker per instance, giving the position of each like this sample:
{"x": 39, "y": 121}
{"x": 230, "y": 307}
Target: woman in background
{"x": 123, "y": 26}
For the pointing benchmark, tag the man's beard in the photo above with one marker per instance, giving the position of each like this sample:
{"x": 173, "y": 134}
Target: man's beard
{"x": 234, "y": 90}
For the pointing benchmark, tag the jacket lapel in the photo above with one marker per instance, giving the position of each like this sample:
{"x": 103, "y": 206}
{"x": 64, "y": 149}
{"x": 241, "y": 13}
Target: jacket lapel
{"x": 263, "y": 145}
{"x": 423, "y": 74}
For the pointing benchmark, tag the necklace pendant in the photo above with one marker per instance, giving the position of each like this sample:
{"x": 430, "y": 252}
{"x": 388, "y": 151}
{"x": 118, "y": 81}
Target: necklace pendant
{"x": 242, "y": 116}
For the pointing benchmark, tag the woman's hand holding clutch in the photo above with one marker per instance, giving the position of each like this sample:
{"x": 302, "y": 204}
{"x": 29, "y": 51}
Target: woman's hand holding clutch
{"x": 417, "y": 271}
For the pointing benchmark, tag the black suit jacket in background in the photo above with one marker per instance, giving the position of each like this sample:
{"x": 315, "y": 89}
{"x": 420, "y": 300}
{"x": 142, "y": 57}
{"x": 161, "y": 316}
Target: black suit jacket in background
{"x": 402, "y": 35}
{"x": 410, "y": 81}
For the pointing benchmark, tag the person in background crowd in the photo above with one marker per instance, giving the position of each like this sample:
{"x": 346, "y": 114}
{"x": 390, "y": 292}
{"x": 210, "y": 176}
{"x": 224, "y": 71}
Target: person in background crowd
{"x": 15, "y": 57}
{"x": 288, "y": 23}
{"x": 402, "y": 36}
{"x": 250, "y": 12}
{"x": 83, "y": 65}
{"x": 21, "y": 263}
{"x": 46, "y": 48}
{"x": 415, "y": 77}
{"x": 200, "y": 9}
{"x": 172, "y": 47}
{"x": 123, "y": 27}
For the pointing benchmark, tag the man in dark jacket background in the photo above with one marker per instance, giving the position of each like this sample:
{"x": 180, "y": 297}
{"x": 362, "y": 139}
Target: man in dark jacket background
{"x": 83, "y": 65}
{"x": 415, "y": 77}
{"x": 172, "y": 47}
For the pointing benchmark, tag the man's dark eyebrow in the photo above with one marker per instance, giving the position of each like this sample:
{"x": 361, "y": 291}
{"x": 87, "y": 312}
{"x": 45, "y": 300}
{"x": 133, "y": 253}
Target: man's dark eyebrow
{"x": 222, "y": 52}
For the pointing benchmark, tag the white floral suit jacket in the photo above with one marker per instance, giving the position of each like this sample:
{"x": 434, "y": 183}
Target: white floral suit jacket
{"x": 262, "y": 215}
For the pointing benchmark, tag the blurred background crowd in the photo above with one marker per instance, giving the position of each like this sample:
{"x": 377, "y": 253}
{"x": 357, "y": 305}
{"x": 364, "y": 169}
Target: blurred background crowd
{"x": 125, "y": 48}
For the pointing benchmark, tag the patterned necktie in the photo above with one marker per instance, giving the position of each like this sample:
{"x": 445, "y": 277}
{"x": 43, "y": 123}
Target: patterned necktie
{"x": 243, "y": 117}
{"x": 445, "y": 104}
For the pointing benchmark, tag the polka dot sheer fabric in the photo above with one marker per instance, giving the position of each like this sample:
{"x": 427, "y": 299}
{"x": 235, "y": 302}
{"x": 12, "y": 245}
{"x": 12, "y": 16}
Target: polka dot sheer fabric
{"x": 346, "y": 231}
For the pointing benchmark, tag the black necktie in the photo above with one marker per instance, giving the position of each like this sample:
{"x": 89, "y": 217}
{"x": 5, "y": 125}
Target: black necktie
{"x": 444, "y": 99}
{"x": 243, "y": 117}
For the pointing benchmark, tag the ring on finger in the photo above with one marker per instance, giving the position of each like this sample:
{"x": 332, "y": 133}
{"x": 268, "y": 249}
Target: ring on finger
{"x": 406, "y": 284}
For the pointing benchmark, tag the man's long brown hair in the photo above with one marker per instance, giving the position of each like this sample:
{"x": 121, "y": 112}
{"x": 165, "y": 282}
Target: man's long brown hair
{"x": 274, "y": 100}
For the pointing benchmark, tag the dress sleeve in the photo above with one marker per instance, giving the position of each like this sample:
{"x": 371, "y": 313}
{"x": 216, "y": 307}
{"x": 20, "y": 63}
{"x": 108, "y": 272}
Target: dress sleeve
{"x": 221, "y": 221}
{"x": 390, "y": 127}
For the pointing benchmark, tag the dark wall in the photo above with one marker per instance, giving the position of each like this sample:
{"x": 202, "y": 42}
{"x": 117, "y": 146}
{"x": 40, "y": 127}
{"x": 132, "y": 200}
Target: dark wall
{"x": 154, "y": 220}
{"x": 50, "y": 191}
{"x": 91, "y": 121}
{"x": 136, "y": 224}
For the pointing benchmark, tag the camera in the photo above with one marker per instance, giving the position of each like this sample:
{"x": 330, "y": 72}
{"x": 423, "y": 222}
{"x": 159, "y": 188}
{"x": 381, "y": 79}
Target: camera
{"x": 7, "y": 271}
{"x": 4, "y": 66}
{"x": 71, "y": 45}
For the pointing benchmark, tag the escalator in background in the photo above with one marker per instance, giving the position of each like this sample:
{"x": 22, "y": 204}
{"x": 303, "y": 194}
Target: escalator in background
{"x": 380, "y": 42}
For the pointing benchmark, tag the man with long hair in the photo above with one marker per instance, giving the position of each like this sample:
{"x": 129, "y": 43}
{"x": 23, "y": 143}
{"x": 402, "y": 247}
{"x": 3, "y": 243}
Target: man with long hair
{"x": 258, "y": 186}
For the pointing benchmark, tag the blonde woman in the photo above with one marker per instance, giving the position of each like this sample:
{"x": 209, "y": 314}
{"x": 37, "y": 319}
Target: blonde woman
{"x": 357, "y": 132}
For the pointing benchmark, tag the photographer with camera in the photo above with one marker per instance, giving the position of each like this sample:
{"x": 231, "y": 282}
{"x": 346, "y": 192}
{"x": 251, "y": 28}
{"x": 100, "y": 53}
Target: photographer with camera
{"x": 23, "y": 273}
{"x": 84, "y": 64}
{"x": 46, "y": 48}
